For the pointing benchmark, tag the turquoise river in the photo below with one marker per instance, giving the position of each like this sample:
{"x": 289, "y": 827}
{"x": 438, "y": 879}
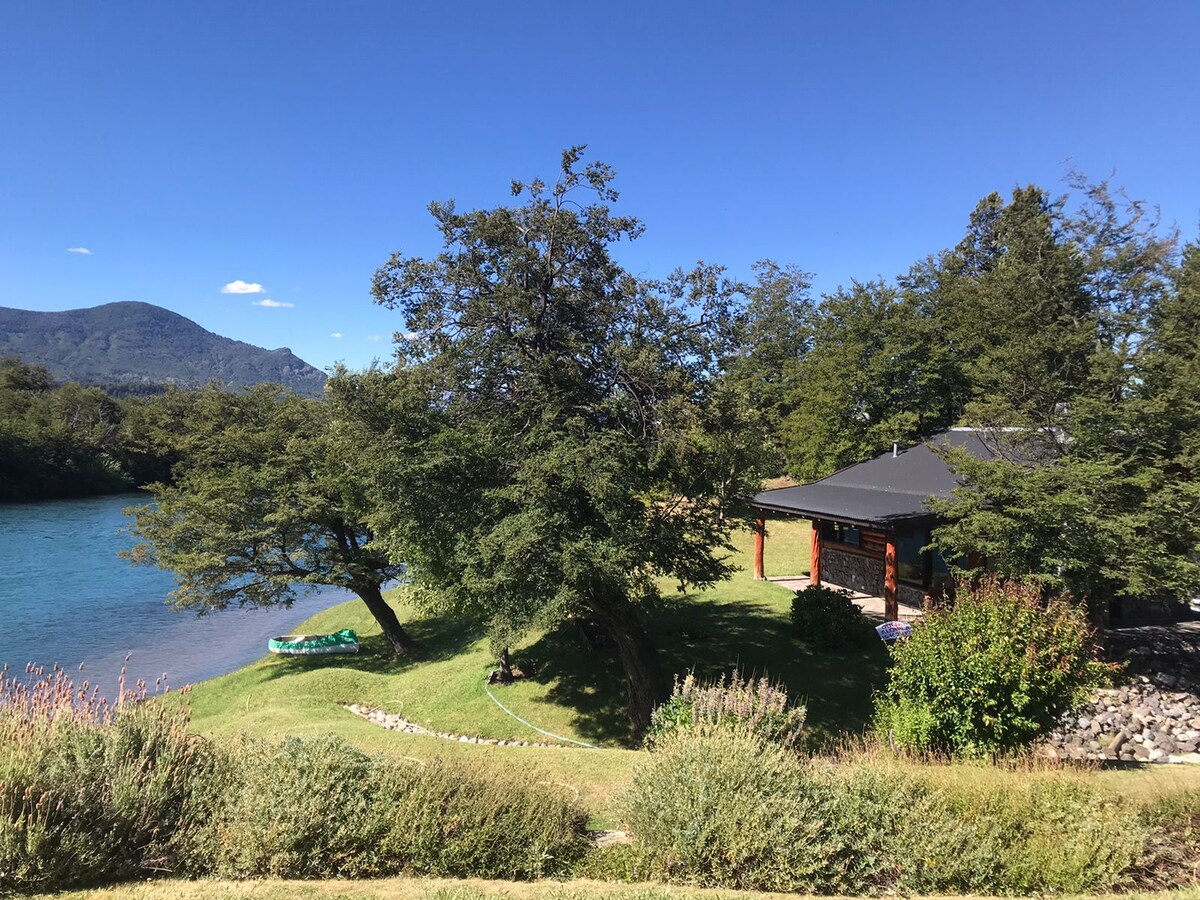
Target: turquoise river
{"x": 66, "y": 597}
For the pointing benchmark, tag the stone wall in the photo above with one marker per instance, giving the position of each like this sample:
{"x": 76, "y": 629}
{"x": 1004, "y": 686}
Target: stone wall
{"x": 911, "y": 596}
{"x": 850, "y": 570}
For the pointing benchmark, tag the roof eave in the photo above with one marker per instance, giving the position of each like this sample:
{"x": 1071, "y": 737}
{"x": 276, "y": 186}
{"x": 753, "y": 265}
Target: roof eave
{"x": 849, "y": 520}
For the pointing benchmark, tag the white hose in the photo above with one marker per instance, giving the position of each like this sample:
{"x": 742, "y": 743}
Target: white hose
{"x": 557, "y": 737}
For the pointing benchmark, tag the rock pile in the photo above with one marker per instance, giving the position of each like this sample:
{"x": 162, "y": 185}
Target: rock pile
{"x": 1135, "y": 722}
{"x": 1155, "y": 716}
{"x": 393, "y": 722}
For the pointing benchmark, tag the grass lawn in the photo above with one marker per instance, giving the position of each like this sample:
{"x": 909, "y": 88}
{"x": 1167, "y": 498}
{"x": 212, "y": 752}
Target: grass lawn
{"x": 439, "y": 889}
{"x": 574, "y": 692}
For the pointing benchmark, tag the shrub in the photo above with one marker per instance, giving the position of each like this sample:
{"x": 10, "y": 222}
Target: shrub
{"x": 444, "y": 820}
{"x": 320, "y": 809}
{"x": 733, "y": 810}
{"x": 827, "y": 619}
{"x": 89, "y": 793}
{"x": 736, "y": 812}
{"x": 1043, "y": 836}
{"x": 731, "y": 703}
{"x": 990, "y": 673}
{"x": 1172, "y": 856}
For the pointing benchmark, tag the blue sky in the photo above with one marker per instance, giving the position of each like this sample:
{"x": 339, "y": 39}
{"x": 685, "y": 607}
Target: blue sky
{"x": 295, "y": 145}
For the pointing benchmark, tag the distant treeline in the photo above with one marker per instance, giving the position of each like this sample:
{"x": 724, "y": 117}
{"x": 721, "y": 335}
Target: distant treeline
{"x": 68, "y": 440}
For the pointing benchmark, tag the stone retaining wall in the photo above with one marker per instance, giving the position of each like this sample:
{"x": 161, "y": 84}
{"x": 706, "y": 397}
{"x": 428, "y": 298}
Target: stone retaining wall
{"x": 850, "y": 570}
{"x": 865, "y": 575}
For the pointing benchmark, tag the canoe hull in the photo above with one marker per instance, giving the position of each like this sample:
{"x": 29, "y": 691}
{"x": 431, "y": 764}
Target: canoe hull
{"x": 314, "y": 644}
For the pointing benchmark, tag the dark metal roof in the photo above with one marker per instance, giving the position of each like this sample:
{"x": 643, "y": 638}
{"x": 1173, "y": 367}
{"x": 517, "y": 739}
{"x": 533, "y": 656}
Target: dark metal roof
{"x": 882, "y": 491}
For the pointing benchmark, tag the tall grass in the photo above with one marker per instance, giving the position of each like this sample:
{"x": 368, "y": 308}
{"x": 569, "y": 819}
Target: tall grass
{"x": 91, "y": 791}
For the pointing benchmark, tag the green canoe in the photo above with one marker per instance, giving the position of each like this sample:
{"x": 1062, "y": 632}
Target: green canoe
{"x": 344, "y": 641}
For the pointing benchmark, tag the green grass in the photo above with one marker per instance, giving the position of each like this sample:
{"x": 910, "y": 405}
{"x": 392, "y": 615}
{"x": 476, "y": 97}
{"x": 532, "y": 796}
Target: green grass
{"x": 788, "y": 549}
{"x": 574, "y": 692}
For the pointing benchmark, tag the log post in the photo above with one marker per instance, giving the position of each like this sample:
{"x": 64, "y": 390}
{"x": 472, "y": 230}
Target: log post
{"x": 814, "y": 565}
{"x": 891, "y": 604}
{"x": 760, "y": 538}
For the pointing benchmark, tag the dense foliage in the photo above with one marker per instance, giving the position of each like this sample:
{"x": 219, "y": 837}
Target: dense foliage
{"x": 321, "y": 809}
{"x": 989, "y": 673}
{"x": 732, "y": 703}
{"x": 67, "y": 440}
{"x": 1067, "y": 330}
{"x": 735, "y": 811}
{"x": 265, "y": 500}
{"x": 732, "y": 810}
{"x": 91, "y": 795}
{"x": 90, "y": 792}
{"x": 1107, "y": 508}
{"x": 828, "y": 619}
{"x": 559, "y": 437}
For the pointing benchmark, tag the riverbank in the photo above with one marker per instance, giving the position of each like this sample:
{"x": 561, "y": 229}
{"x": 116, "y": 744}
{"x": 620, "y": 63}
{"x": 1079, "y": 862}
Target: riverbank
{"x": 67, "y": 597}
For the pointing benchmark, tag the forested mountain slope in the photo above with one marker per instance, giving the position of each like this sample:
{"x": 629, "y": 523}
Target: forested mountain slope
{"x": 131, "y": 344}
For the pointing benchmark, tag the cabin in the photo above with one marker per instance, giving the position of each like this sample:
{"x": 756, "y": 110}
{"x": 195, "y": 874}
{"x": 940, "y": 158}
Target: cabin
{"x": 870, "y": 522}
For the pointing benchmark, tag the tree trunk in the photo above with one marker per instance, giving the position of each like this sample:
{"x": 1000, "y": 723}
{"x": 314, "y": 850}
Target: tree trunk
{"x": 506, "y": 672}
{"x": 397, "y": 637}
{"x": 639, "y": 657}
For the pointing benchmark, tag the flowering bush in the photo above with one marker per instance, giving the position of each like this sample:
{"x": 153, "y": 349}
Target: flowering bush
{"x": 754, "y": 706}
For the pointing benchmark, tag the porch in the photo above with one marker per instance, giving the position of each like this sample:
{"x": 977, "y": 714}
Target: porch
{"x": 872, "y": 606}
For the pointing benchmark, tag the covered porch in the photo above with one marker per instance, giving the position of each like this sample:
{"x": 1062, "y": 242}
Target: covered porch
{"x": 873, "y": 606}
{"x": 867, "y": 564}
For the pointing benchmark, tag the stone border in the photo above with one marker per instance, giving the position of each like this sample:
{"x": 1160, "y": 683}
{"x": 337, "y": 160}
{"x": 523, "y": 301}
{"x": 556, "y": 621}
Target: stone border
{"x": 394, "y": 722}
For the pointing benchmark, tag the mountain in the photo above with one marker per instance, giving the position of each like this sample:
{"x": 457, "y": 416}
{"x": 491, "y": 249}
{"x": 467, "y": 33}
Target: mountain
{"x": 133, "y": 345}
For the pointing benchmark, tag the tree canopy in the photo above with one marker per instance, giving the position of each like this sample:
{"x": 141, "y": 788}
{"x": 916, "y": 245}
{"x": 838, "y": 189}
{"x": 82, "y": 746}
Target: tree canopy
{"x": 558, "y": 437}
{"x": 263, "y": 503}
{"x": 1083, "y": 371}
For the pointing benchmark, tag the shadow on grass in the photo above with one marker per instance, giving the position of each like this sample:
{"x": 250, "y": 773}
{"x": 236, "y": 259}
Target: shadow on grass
{"x": 712, "y": 638}
{"x": 438, "y": 638}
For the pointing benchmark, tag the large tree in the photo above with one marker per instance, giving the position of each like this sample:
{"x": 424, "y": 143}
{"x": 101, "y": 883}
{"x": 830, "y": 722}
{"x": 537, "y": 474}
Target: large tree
{"x": 1082, "y": 345}
{"x": 775, "y": 332}
{"x": 265, "y": 501}
{"x": 875, "y": 375}
{"x": 557, "y": 438}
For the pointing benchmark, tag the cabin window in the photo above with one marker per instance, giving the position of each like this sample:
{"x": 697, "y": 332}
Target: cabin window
{"x": 910, "y": 560}
{"x": 839, "y": 533}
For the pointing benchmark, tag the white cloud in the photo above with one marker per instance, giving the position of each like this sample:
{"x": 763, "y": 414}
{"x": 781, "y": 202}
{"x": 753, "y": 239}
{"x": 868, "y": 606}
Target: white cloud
{"x": 336, "y": 334}
{"x": 242, "y": 287}
{"x": 374, "y": 337}
{"x": 272, "y": 304}
{"x": 81, "y": 250}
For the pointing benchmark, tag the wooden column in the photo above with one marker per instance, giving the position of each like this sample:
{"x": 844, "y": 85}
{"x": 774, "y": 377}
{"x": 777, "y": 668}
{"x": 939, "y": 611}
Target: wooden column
{"x": 891, "y": 605}
{"x": 760, "y": 538}
{"x": 814, "y": 565}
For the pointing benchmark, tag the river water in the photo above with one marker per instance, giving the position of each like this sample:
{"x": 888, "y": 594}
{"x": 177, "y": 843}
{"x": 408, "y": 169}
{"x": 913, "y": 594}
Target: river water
{"x": 66, "y": 597}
